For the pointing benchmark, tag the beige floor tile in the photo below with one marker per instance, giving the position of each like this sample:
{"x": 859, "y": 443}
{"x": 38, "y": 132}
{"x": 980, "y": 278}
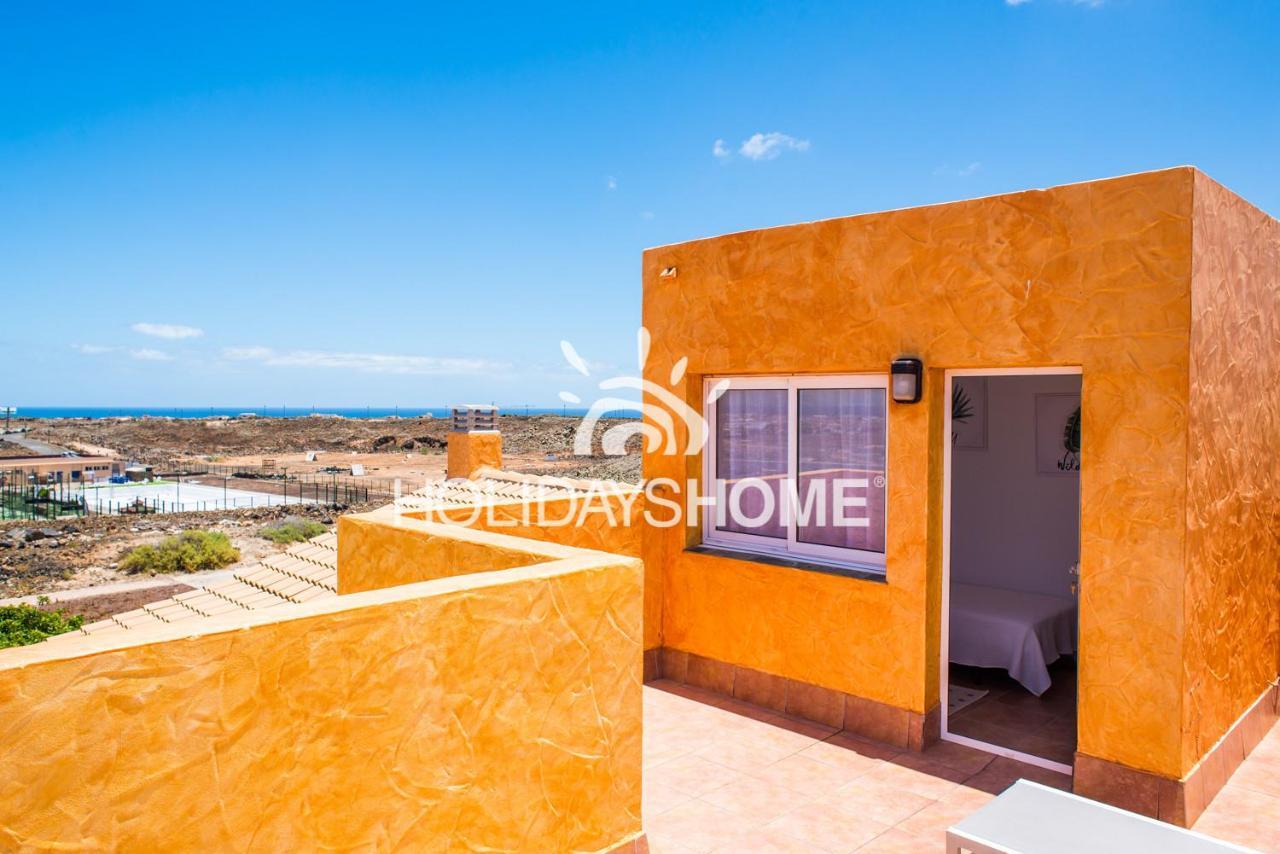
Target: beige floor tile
{"x": 699, "y": 826}
{"x": 827, "y": 829}
{"x": 811, "y": 729}
{"x": 766, "y": 841}
{"x": 1259, "y": 773}
{"x": 655, "y": 800}
{"x": 942, "y": 814}
{"x": 757, "y": 799}
{"x": 1003, "y": 773}
{"x": 1244, "y": 817}
{"x": 849, "y": 753}
{"x": 926, "y": 781}
{"x": 693, "y": 775}
{"x": 663, "y": 845}
{"x": 746, "y": 754}
{"x": 878, "y": 800}
{"x": 804, "y": 774}
{"x": 958, "y": 756}
{"x": 894, "y": 841}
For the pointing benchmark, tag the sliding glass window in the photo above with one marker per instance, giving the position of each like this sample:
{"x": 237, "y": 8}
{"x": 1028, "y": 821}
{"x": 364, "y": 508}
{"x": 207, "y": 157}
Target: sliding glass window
{"x": 798, "y": 467}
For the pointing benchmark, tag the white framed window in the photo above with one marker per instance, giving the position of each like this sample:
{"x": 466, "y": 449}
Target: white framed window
{"x": 798, "y": 467}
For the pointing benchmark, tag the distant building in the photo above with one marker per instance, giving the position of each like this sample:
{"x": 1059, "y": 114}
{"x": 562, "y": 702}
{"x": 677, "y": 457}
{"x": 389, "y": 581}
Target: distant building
{"x": 57, "y": 468}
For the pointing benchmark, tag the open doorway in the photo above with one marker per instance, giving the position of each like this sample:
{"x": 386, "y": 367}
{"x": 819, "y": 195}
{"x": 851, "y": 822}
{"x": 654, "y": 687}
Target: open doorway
{"x": 1010, "y": 565}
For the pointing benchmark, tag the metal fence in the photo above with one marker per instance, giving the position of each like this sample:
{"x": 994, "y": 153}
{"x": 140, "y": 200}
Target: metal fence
{"x": 33, "y": 501}
{"x": 21, "y": 497}
{"x": 375, "y": 488}
{"x": 328, "y": 495}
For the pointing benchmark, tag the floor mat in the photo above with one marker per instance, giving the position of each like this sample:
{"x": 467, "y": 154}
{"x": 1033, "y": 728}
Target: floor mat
{"x": 959, "y": 698}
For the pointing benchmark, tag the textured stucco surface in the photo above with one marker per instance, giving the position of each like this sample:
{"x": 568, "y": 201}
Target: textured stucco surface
{"x": 379, "y": 549}
{"x": 468, "y": 453}
{"x": 1092, "y": 275}
{"x": 607, "y": 522}
{"x": 1233, "y": 489}
{"x": 610, "y": 522}
{"x": 499, "y": 711}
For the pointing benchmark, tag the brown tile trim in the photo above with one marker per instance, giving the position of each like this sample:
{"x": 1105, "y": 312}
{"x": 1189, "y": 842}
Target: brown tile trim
{"x": 857, "y": 715}
{"x": 760, "y": 688}
{"x": 1179, "y": 802}
{"x": 710, "y": 674}
{"x": 639, "y": 845}
{"x": 651, "y": 664}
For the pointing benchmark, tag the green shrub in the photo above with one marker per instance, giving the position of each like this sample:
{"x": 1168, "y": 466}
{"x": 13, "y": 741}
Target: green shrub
{"x": 292, "y": 530}
{"x": 24, "y": 624}
{"x": 189, "y": 551}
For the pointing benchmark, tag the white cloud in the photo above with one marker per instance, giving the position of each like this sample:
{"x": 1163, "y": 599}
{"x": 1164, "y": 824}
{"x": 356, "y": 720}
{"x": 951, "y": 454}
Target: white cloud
{"x": 718, "y": 149}
{"x": 766, "y": 146}
{"x": 172, "y": 331}
{"x": 611, "y": 183}
{"x": 1015, "y": 2}
{"x": 247, "y": 354}
{"x": 963, "y": 172}
{"x": 373, "y": 363}
{"x": 150, "y": 355}
{"x": 92, "y": 349}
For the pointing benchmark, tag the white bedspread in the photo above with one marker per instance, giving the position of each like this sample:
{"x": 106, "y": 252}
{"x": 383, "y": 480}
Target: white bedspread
{"x": 1022, "y": 633}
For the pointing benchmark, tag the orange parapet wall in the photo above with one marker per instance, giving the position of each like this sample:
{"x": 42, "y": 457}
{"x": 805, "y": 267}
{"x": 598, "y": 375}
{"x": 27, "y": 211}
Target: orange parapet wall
{"x": 470, "y": 452}
{"x": 609, "y": 520}
{"x": 379, "y": 550}
{"x": 1096, "y": 276}
{"x": 495, "y": 711}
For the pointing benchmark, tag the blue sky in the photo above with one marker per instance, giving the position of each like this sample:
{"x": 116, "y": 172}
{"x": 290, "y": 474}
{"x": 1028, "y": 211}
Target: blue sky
{"x": 324, "y": 204}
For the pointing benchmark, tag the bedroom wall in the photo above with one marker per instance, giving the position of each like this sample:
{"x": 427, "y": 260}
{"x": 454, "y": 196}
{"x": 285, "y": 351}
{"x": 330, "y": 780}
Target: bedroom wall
{"x": 1010, "y": 526}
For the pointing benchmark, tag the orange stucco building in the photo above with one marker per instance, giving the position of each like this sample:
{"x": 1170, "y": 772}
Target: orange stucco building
{"x": 1161, "y": 290}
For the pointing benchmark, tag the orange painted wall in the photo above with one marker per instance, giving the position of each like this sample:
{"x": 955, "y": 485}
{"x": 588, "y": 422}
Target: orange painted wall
{"x": 1233, "y": 495}
{"x": 604, "y": 522}
{"x": 1094, "y": 275}
{"x": 378, "y": 550}
{"x": 611, "y": 523}
{"x": 492, "y": 712}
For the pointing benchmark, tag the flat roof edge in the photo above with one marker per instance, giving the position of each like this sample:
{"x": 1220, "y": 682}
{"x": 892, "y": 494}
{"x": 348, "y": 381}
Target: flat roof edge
{"x": 1190, "y": 169}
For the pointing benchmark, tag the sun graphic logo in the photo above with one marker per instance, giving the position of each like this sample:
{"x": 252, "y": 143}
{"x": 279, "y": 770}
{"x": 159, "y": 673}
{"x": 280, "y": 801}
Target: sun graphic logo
{"x": 661, "y": 408}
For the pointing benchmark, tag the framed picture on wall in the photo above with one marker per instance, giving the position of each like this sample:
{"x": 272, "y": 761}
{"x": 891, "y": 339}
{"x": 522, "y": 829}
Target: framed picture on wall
{"x": 1058, "y": 435}
{"x": 969, "y": 412}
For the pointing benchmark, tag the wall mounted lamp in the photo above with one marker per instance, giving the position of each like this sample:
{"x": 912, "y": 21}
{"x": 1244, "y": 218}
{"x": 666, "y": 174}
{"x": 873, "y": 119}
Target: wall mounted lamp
{"x": 907, "y": 374}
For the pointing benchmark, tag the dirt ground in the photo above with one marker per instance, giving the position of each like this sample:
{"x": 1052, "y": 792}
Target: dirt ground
{"x": 97, "y": 607}
{"x": 77, "y": 553}
{"x": 69, "y": 554}
{"x": 409, "y": 448}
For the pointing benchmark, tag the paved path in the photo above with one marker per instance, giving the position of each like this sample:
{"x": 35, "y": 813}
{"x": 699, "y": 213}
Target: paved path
{"x": 198, "y": 579}
{"x": 35, "y": 446}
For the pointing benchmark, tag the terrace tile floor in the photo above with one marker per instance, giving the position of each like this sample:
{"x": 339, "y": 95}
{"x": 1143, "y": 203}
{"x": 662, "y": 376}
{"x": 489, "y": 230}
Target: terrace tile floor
{"x": 722, "y": 775}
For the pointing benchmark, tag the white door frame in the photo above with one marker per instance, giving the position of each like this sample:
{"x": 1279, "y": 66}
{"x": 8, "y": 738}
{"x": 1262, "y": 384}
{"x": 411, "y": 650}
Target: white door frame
{"x": 944, "y": 638}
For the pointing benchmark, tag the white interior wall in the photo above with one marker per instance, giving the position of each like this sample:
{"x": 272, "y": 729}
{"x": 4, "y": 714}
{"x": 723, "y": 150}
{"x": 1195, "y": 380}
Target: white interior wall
{"x": 1012, "y": 527}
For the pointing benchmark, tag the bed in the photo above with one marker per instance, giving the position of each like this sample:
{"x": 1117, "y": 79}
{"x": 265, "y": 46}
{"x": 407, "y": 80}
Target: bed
{"x": 1022, "y": 633}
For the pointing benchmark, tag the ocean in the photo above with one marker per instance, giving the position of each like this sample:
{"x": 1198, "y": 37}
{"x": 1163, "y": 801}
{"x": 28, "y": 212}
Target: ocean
{"x": 285, "y": 411}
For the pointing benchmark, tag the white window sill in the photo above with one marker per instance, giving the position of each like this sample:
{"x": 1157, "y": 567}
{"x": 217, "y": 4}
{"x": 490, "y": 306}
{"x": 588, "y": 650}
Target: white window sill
{"x": 863, "y": 573}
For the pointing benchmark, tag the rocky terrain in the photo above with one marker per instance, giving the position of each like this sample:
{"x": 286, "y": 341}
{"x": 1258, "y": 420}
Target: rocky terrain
{"x": 156, "y": 440}
{"x": 47, "y": 556}
{"x": 43, "y": 556}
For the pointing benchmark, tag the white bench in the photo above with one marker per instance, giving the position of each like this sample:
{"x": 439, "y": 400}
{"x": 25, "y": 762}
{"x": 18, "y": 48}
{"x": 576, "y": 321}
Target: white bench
{"x": 1033, "y": 819}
